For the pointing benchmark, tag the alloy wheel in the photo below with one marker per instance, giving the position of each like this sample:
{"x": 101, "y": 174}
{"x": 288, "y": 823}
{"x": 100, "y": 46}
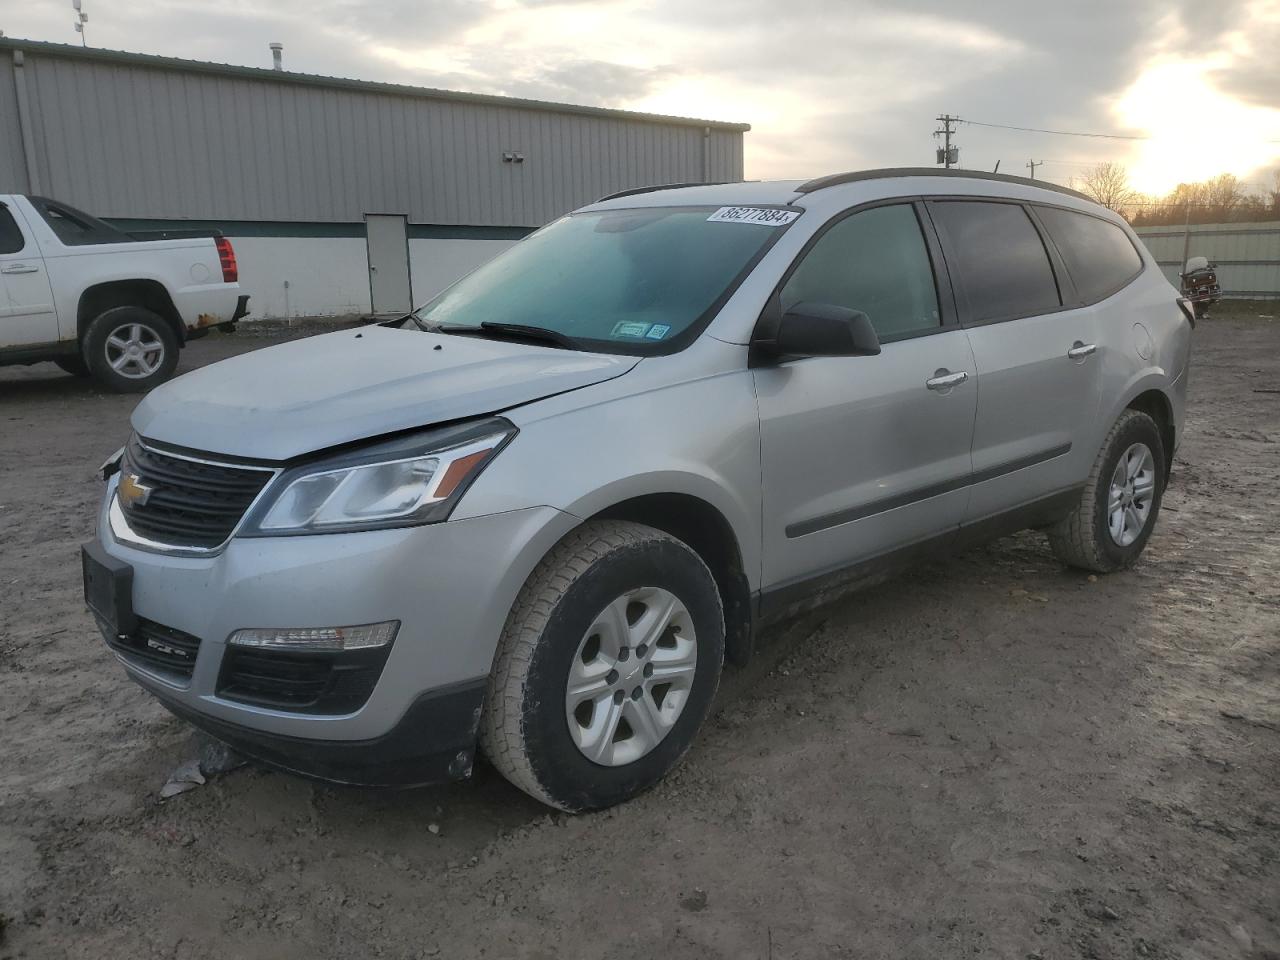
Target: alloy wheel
{"x": 134, "y": 351}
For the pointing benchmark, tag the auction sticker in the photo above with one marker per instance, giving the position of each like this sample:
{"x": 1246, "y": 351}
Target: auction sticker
{"x": 761, "y": 215}
{"x": 630, "y": 329}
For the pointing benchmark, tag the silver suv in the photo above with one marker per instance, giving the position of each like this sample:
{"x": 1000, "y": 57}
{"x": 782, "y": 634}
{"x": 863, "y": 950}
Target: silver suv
{"x": 539, "y": 514}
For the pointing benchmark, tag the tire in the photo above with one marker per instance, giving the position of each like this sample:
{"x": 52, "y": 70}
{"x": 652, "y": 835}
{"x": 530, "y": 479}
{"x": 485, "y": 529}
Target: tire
{"x": 1086, "y": 538}
{"x": 536, "y": 735}
{"x": 113, "y": 333}
{"x": 73, "y": 365}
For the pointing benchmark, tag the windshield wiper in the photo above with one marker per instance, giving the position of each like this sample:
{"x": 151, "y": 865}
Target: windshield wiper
{"x": 529, "y": 332}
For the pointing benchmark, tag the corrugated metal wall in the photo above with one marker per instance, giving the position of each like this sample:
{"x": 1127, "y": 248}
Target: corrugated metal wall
{"x": 127, "y": 139}
{"x": 1247, "y": 254}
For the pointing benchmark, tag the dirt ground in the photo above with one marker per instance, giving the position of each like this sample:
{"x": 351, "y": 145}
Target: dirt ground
{"x": 994, "y": 756}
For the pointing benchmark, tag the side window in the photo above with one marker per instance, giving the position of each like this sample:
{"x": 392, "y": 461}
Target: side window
{"x": 10, "y": 236}
{"x": 1001, "y": 264}
{"x": 875, "y": 261}
{"x": 1098, "y": 254}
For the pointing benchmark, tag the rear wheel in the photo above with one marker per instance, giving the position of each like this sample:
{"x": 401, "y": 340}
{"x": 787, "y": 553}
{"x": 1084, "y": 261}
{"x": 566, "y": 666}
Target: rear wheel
{"x": 606, "y": 668}
{"x": 130, "y": 349}
{"x": 1118, "y": 507}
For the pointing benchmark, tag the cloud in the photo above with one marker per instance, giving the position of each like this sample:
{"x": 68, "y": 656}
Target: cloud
{"x": 826, "y": 84}
{"x": 594, "y": 82}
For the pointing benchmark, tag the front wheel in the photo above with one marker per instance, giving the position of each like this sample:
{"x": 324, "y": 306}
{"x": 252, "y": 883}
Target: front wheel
{"x": 1118, "y": 507}
{"x": 606, "y": 668}
{"x": 130, "y": 349}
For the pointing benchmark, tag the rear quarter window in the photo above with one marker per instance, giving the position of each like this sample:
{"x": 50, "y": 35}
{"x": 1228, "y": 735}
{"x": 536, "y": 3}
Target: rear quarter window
{"x": 1098, "y": 254}
{"x": 999, "y": 259}
{"x": 75, "y": 227}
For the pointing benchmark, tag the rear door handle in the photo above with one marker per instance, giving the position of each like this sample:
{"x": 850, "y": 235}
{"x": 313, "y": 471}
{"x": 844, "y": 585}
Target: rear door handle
{"x": 945, "y": 381}
{"x": 1080, "y": 350}
{"x": 19, "y": 268}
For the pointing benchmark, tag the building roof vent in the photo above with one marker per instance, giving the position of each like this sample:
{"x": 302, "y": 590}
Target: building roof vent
{"x": 277, "y": 52}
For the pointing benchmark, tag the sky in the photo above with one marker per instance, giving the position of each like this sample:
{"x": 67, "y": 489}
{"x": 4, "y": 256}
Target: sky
{"x": 827, "y": 85}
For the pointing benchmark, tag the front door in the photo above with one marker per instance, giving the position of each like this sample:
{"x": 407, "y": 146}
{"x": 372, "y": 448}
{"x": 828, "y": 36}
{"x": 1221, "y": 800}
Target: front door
{"x": 27, "y": 315}
{"x": 1038, "y": 362}
{"x": 862, "y": 456}
{"x": 388, "y": 264}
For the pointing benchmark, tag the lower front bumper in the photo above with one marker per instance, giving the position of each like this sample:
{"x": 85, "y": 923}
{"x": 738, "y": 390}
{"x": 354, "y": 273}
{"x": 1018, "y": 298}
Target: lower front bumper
{"x": 433, "y": 742}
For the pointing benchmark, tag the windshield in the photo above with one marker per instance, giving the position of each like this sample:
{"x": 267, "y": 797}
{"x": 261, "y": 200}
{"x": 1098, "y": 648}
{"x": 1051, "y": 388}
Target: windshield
{"x": 630, "y": 281}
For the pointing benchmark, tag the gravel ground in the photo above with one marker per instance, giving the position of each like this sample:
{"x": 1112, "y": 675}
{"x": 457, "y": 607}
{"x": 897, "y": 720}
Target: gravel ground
{"x": 993, "y": 756}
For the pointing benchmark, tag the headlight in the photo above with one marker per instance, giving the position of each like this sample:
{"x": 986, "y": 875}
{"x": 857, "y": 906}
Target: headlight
{"x": 400, "y": 483}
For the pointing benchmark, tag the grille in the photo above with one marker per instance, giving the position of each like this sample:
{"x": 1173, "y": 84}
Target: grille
{"x": 159, "y": 647}
{"x": 301, "y": 682}
{"x": 190, "y": 504}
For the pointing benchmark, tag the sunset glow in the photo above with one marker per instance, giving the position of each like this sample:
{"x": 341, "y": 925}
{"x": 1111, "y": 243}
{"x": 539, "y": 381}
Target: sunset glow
{"x": 1197, "y": 131}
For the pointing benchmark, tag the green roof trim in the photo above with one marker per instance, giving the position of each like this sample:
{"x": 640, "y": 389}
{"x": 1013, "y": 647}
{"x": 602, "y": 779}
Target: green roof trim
{"x": 125, "y": 58}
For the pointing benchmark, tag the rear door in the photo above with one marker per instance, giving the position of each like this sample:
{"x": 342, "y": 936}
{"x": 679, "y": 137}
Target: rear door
{"x": 860, "y": 455}
{"x": 27, "y": 315}
{"x": 1035, "y": 353}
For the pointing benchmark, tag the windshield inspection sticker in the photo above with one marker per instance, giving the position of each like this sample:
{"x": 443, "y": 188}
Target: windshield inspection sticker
{"x": 657, "y": 331}
{"x": 760, "y": 215}
{"x": 630, "y": 328}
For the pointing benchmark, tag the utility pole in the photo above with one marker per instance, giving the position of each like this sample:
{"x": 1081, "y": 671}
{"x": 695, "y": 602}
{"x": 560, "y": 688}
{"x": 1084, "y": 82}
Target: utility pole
{"x": 948, "y": 156}
{"x": 81, "y": 19}
{"x": 1033, "y": 164}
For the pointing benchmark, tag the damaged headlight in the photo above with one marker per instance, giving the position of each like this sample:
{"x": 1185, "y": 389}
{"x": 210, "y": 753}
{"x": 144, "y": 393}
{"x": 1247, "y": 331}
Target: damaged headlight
{"x": 400, "y": 483}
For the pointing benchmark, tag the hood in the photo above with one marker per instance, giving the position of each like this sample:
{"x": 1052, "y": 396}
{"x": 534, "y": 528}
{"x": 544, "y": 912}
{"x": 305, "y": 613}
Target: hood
{"x": 295, "y": 398}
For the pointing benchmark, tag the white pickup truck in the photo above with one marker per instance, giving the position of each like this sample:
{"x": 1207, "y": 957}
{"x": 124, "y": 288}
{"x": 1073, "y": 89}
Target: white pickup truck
{"x": 103, "y": 303}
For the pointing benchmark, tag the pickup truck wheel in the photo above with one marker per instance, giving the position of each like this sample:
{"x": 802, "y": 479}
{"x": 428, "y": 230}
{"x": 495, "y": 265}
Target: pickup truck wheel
{"x": 130, "y": 349}
{"x": 1118, "y": 507}
{"x": 606, "y": 668}
{"x": 74, "y": 366}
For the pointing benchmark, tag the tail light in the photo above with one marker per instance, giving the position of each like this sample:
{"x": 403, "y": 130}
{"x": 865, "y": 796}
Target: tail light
{"x": 1188, "y": 310}
{"x": 227, "y": 257}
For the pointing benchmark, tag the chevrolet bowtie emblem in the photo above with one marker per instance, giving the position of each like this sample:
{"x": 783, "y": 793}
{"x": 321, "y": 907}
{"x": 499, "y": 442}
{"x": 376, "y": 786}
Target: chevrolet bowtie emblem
{"x": 132, "y": 491}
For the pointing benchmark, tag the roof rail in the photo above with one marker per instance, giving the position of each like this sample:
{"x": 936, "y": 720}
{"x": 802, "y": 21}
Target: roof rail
{"x": 855, "y": 176}
{"x": 634, "y": 191}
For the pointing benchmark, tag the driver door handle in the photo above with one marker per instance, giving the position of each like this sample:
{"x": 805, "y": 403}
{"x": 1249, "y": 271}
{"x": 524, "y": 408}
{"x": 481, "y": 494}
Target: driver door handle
{"x": 19, "y": 268}
{"x": 945, "y": 381}
{"x": 1080, "y": 350}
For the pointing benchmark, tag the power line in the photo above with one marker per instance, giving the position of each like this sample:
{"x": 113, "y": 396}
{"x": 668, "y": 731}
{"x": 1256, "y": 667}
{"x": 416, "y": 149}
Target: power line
{"x": 1068, "y": 133}
{"x": 1060, "y": 133}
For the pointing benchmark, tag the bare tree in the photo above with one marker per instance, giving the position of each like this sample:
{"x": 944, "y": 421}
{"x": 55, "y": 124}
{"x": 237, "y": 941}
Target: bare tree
{"x": 1222, "y": 196}
{"x": 1108, "y": 183}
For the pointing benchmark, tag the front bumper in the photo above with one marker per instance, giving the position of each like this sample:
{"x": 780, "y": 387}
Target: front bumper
{"x": 449, "y": 584}
{"x": 433, "y": 742}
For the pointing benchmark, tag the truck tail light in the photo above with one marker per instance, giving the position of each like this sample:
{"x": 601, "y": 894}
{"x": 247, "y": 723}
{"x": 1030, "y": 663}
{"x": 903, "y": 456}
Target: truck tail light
{"x": 227, "y": 257}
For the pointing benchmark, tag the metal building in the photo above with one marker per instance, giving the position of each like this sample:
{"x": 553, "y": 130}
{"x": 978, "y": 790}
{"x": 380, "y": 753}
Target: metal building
{"x": 1247, "y": 254}
{"x": 340, "y": 195}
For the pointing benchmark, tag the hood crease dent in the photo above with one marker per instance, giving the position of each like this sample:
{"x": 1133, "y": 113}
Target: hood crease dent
{"x": 296, "y": 398}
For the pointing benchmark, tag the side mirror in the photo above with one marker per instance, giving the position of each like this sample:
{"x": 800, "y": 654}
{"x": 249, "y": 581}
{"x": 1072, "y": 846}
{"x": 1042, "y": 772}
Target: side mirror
{"x": 824, "y": 330}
